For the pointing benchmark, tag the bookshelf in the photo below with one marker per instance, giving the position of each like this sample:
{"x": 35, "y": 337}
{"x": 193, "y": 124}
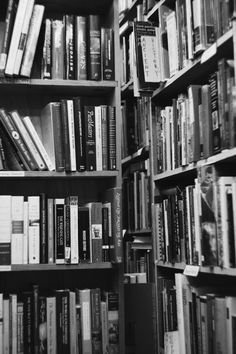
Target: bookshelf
{"x": 29, "y": 95}
{"x": 187, "y": 271}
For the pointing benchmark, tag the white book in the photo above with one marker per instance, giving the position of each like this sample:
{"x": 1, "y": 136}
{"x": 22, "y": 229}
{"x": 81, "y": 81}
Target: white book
{"x": 73, "y": 324}
{"x": 74, "y": 229}
{"x": 189, "y": 18}
{"x": 5, "y": 230}
{"x": 34, "y": 229}
{"x": 173, "y": 43}
{"x": 32, "y": 39}
{"x": 50, "y": 225}
{"x": 98, "y": 137}
{"x": 51, "y": 325}
{"x": 71, "y": 131}
{"x": 23, "y": 36}
{"x": 47, "y": 55}
{"x": 26, "y": 233}
{"x": 17, "y": 235}
{"x": 231, "y": 311}
{"x": 38, "y": 142}
{"x": 28, "y": 140}
{"x": 197, "y": 218}
{"x": 15, "y": 38}
{"x": 234, "y": 212}
{"x": 6, "y": 327}
{"x": 13, "y": 322}
{"x": 1, "y": 323}
{"x": 85, "y": 302}
{"x": 104, "y": 324}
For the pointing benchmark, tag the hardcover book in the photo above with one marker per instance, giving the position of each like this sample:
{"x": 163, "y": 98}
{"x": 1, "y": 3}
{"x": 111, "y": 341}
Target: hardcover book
{"x": 107, "y": 53}
{"x": 81, "y": 47}
{"x": 94, "y": 50}
{"x": 90, "y": 143}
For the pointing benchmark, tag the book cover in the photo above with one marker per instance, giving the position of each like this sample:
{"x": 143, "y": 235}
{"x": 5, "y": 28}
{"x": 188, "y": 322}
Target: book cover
{"x": 32, "y": 39}
{"x": 79, "y": 123}
{"x": 95, "y": 224}
{"x": 94, "y": 47}
{"x": 84, "y": 234}
{"x": 113, "y": 195}
{"x": 59, "y": 222}
{"x": 90, "y": 143}
{"x": 34, "y": 229}
{"x": 107, "y": 53}
{"x": 81, "y": 47}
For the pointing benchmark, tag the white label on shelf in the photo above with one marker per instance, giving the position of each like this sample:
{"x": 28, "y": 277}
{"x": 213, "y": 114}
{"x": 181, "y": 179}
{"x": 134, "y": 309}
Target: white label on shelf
{"x": 12, "y": 173}
{"x": 209, "y": 53}
{"x": 4, "y": 268}
{"x": 191, "y": 270}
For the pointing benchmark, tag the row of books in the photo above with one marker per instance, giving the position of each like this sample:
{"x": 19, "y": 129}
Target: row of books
{"x": 135, "y": 125}
{"x": 44, "y": 230}
{"x": 62, "y": 321}
{"x": 196, "y": 224}
{"x": 68, "y": 136}
{"x": 206, "y": 317}
{"x": 69, "y": 47}
{"x": 198, "y": 124}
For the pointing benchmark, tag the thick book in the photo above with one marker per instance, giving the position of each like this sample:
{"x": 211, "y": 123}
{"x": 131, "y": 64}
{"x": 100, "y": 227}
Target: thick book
{"x": 85, "y": 302}
{"x": 81, "y": 47}
{"x": 98, "y": 137}
{"x": 96, "y": 329}
{"x": 17, "y": 140}
{"x": 112, "y": 300}
{"x": 34, "y": 229}
{"x": 94, "y": 47}
{"x": 107, "y": 53}
{"x": 79, "y": 124}
{"x": 90, "y": 143}
{"x": 59, "y": 222}
{"x": 9, "y": 23}
{"x": 17, "y": 231}
{"x": 23, "y": 37}
{"x": 63, "y": 320}
{"x": 69, "y": 47}
{"x": 58, "y": 49}
{"x": 32, "y": 39}
{"x": 51, "y": 132}
{"x": 15, "y": 38}
{"x": 95, "y": 224}
{"x": 112, "y": 164}
{"x": 173, "y": 50}
{"x": 84, "y": 234}
{"x": 113, "y": 195}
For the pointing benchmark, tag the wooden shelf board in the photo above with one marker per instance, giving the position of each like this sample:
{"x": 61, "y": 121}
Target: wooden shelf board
{"x": 54, "y": 174}
{"x": 55, "y": 267}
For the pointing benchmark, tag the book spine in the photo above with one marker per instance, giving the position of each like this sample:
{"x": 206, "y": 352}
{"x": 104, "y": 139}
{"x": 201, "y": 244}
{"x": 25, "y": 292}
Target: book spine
{"x": 51, "y": 325}
{"x": 94, "y": 55}
{"x": 47, "y": 55}
{"x": 17, "y": 232}
{"x": 67, "y": 231}
{"x": 71, "y": 132}
{"x": 9, "y": 20}
{"x": 216, "y": 139}
{"x": 21, "y": 9}
{"x": 90, "y": 143}
{"x": 85, "y": 302}
{"x": 96, "y": 330}
{"x": 28, "y": 322}
{"x": 58, "y": 66}
{"x": 104, "y": 324}
{"x": 59, "y": 206}
{"x": 107, "y": 50}
{"x": 113, "y": 321}
{"x": 20, "y": 327}
{"x": 32, "y": 39}
{"x": 6, "y": 326}
{"x": 50, "y": 230}
{"x": 13, "y": 322}
{"x": 32, "y": 148}
{"x": 112, "y": 138}
{"x": 23, "y": 37}
{"x": 34, "y": 229}
{"x": 17, "y": 140}
{"x": 74, "y": 229}
{"x": 36, "y": 318}
{"x": 84, "y": 235}
{"x": 26, "y": 233}
{"x": 42, "y": 324}
{"x": 104, "y": 123}
{"x": 43, "y": 229}
{"x": 57, "y": 133}
{"x": 65, "y": 133}
{"x": 98, "y": 138}
{"x": 81, "y": 47}
{"x": 69, "y": 46}
{"x": 105, "y": 234}
{"x": 96, "y": 230}
{"x": 73, "y": 325}
{"x": 79, "y": 134}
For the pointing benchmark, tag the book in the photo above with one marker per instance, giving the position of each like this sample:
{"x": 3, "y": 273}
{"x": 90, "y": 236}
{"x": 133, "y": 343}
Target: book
{"x": 42, "y": 324}
{"x": 47, "y": 54}
{"x": 95, "y": 226}
{"x": 9, "y": 23}
{"x": 50, "y": 230}
{"x": 104, "y": 324}
{"x": 69, "y": 47}
{"x": 32, "y": 148}
{"x": 94, "y": 47}
{"x": 172, "y": 38}
{"x": 23, "y": 36}
{"x": 63, "y": 320}
{"x": 104, "y": 126}
{"x": 214, "y": 111}
{"x": 112, "y": 138}
{"x": 17, "y": 140}
{"x": 17, "y": 229}
{"x": 5, "y": 230}
{"x": 15, "y": 37}
{"x": 51, "y": 133}
{"x": 1, "y": 322}
{"x": 107, "y": 53}
{"x": 96, "y": 329}
{"x": 13, "y": 322}
{"x": 38, "y": 142}
{"x": 85, "y": 303}
{"x": 84, "y": 234}
{"x": 113, "y": 195}
{"x": 81, "y": 47}
{"x": 67, "y": 228}
{"x": 74, "y": 229}
{"x": 73, "y": 323}
{"x": 51, "y": 324}
{"x": 59, "y": 222}
{"x": 90, "y": 143}
{"x": 194, "y": 121}
{"x": 79, "y": 124}
{"x": 20, "y": 326}
{"x": 43, "y": 250}
{"x": 67, "y": 109}
{"x": 32, "y": 39}
{"x": 58, "y": 49}
{"x": 112, "y": 299}
{"x": 6, "y": 326}
{"x": 28, "y": 321}
{"x": 98, "y": 137}
{"x": 231, "y": 311}
{"x": 34, "y": 229}
{"x": 220, "y": 339}
{"x": 106, "y": 231}
{"x": 25, "y": 255}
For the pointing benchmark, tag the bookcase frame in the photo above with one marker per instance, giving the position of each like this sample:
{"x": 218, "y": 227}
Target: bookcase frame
{"x": 29, "y": 96}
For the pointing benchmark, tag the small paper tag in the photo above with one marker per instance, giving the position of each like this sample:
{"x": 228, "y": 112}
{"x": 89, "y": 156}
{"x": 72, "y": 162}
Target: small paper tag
{"x": 209, "y": 53}
{"x": 12, "y": 173}
{"x": 191, "y": 270}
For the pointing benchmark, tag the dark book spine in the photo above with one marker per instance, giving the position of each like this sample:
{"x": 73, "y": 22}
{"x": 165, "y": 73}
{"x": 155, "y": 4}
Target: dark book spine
{"x": 3, "y": 162}
{"x": 20, "y": 327}
{"x": 42, "y": 325}
{"x": 67, "y": 232}
{"x": 47, "y": 54}
{"x": 104, "y": 123}
{"x": 57, "y": 128}
{"x": 107, "y": 50}
{"x": 65, "y": 134}
{"x": 79, "y": 134}
{"x": 28, "y": 322}
{"x": 113, "y": 321}
{"x": 62, "y": 321}
{"x": 105, "y": 234}
{"x": 96, "y": 231}
{"x": 43, "y": 229}
{"x": 90, "y": 143}
{"x": 59, "y": 219}
{"x": 84, "y": 237}
{"x": 94, "y": 53}
{"x": 69, "y": 47}
{"x": 78, "y": 326}
{"x": 112, "y": 138}
{"x": 36, "y": 318}
{"x": 96, "y": 329}
{"x": 81, "y": 47}
{"x": 216, "y": 139}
